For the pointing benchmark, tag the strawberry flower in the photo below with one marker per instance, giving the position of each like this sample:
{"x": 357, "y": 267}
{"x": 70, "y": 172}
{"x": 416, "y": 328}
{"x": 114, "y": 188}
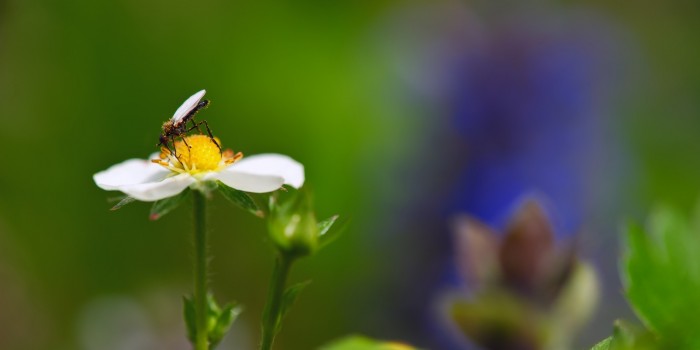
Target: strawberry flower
{"x": 169, "y": 173}
{"x": 198, "y": 165}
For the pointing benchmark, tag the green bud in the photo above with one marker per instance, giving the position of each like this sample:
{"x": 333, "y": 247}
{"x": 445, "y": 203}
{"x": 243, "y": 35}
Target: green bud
{"x": 292, "y": 223}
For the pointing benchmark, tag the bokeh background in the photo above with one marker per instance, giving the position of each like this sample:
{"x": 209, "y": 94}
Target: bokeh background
{"x": 405, "y": 113}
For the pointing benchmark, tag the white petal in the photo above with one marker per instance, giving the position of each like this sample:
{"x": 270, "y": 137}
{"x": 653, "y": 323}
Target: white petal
{"x": 250, "y": 182}
{"x": 156, "y": 190}
{"x": 272, "y": 164}
{"x": 130, "y": 172}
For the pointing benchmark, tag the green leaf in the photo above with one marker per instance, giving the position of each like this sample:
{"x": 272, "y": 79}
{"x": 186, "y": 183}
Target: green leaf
{"x": 240, "y": 199}
{"x": 213, "y": 311}
{"x": 661, "y": 275}
{"x": 289, "y": 297}
{"x": 164, "y": 206}
{"x": 357, "y": 342}
{"x": 219, "y": 320}
{"x": 328, "y": 232}
{"x": 326, "y": 225}
{"x": 628, "y": 337}
{"x": 604, "y": 345}
{"x": 225, "y": 319}
{"x": 292, "y": 223}
{"x": 190, "y": 318}
{"x": 124, "y": 201}
{"x": 626, "y": 334}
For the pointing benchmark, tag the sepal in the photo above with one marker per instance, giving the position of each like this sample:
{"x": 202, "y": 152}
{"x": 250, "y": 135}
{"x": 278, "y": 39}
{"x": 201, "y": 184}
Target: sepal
{"x": 166, "y": 205}
{"x": 240, "y": 198}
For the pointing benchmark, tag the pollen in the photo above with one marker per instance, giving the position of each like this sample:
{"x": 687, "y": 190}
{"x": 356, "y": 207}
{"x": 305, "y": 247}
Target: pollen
{"x": 197, "y": 154}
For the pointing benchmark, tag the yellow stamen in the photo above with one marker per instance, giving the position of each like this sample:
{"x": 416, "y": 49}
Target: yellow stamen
{"x": 196, "y": 154}
{"x": 202, "y": 153}
{"x": 160, "y": 162}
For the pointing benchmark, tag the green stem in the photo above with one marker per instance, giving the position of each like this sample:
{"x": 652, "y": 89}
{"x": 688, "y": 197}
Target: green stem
{"x": 200, "y": 272}
{"x": 273, "y": 307}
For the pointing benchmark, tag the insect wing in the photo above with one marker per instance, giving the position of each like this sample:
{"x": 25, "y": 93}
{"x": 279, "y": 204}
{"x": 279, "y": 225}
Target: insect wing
{"x": 187, "y": 106}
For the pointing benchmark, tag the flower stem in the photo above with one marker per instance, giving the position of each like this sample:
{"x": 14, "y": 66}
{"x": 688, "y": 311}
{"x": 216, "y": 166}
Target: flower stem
{"x": 273, "y": 307}
{"x": 200, "y": 272}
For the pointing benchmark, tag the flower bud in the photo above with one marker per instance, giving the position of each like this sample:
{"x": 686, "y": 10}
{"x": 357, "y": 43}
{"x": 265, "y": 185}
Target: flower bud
{"x": 292, "y": 223}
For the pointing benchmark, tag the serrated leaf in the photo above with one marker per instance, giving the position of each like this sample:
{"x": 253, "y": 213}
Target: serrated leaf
{"x": 357, "y": 342}
{"x": 190, "y": 318}
{"x": 661, "y": 274}
{"x": 164, "y": 206}
{"x": 124, "y": 201}
{"x": 289, "y": 297}
{"x": 329, "y": 231}
{"x": 227, "y": 316}
{"x": 240, "y": 199}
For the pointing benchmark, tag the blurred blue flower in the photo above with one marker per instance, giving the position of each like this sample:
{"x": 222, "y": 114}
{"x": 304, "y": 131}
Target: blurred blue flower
{"x": 526, "y": 106}
{"x": 526, "y": 98}
{"x": 525, "y": 290}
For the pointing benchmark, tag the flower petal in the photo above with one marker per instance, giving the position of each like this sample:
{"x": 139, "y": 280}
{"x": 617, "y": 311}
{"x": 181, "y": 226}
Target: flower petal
{"x": 249, "y": 182}
{"x": 272, "y": 164}
{"x": 156, "y": 190}
{"x": 130, "y": 172}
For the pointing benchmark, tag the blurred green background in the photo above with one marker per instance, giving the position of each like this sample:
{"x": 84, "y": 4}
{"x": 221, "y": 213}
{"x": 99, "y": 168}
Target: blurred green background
{"x": 87, "y": 84}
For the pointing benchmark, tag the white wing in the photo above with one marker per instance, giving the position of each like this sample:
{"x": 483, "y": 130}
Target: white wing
{"x": 187, "y": 106}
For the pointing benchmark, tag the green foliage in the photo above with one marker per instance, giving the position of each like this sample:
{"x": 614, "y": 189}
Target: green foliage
{"x": 604, "y": 345}
{"x": 325, "y": 225}
{"x": 164, "y": 206}
{"x": 294, "y": 230}
{"x": 288, "y": 299}
{"x": 240, "y": 199}
{"x": 660, "y": 270}
{"x": 190, "y": 318}
{"x": 292, "y": 223}
{"x": 628, "y": 337}
{"x": 328, "y": 231}
{"x": 293, "y": 226}
{"x": 363, "y": 343}
{"x": 124, "y": 201}
{"x": 219, "y": 320}
{"x": 661, "y": 274}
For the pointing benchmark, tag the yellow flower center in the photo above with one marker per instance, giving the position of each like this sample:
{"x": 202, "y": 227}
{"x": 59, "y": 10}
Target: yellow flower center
{"x": 197, "y": 154}
{"x": 202, "y": 153}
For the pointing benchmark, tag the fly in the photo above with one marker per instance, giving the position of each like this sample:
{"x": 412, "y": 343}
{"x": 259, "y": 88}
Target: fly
{"x": 177, "y": 125}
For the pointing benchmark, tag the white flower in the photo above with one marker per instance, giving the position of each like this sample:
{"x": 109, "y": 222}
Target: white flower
{"x": 169, "y": 174}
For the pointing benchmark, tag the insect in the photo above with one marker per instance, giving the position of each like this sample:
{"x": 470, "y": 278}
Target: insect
{"x": 177, "y": 125}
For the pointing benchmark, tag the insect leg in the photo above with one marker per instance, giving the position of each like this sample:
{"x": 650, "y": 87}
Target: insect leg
{"x": 211, "y": 136}
{"x": 174, "y": 149}
{"x": 189, "y": 148}
{"x": 196, "y": 125}
{"x": 209, "y": 132}
{"x": 185, "y": 141}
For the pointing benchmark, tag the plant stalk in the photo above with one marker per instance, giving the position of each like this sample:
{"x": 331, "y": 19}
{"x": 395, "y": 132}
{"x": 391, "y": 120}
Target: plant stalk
{"x": 273, "y": 306}
{"x": 200, "y": 272}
